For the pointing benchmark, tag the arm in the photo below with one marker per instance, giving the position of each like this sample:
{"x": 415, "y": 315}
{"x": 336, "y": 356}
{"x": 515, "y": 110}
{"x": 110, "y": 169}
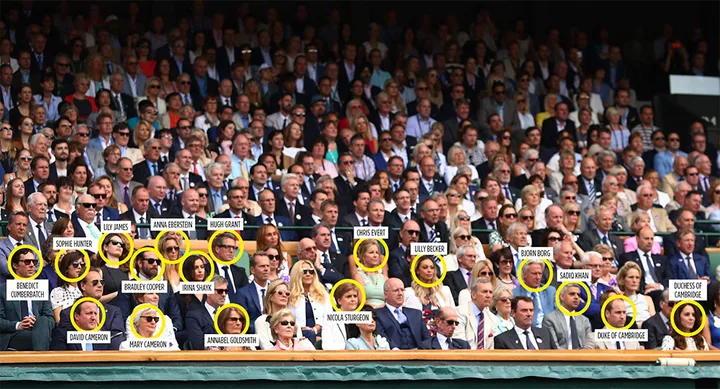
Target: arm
{"x": 195, "y": 332}
{"x": 550, "y": 326}
{"x": 706, "y": 334}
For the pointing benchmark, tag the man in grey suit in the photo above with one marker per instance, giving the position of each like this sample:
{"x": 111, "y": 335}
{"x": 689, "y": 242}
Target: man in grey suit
{"x": 281, "y": 119}
{"x": 25, "y": 325}
{"x": 134, "y": 83}
{"x": 17, "y": 230}
{"x": 124, "y": 180}
{"x": 217, "y": 194}
{"x": 568, "y": 332}
{"x": 601, "y": 234}
{"x": 498, "y": 103}
{"x": 92, "y": 157}
{"x": 38, "y": 229}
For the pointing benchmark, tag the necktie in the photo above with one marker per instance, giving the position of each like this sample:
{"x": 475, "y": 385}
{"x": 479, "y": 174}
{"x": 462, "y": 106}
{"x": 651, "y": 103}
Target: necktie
{"x": 433, "y": 236}
{"x": 693, "y": 274}
{"x": 41, "y": 235}
{"x": 591, "y": 192}
{"x": 195, "y": 168}
{"x": 143, "y": 231}
{"x": 707, "y": 184}
{"x": 448, "y": 341}
{"x": 109, "y": 67}
{"x": 574, "y": 340}
{"x": 651, "y": 267}
{"x": 126, "y": 197}
{"x": 312, "y": 183}
{"x": 400, "y": 316}
{"x": 218, "y": 201}
{"x": 243, "y": 171}
{"x": 93, "y": 230}
{"x": 326, "y": 260}
{"x": 481, "y": 331}
{"x": 98, "y": 217}
{"x": 89, "y": 347}
{"x": 40, "y": 60}
{"x": 508, "y": 195}
{"x": 333, "y": 246}
{"x": 396, "y": 186}
{"x": 364, "y": 222}
{"x": 185, "y": 182}
{"x": 269, "y": 220}
{"x": 154, "y": 169}
{"x": 468, "y": 277}
{"x": 50, "y": 215}
{"x": 605, "y": 239}
{"x": 291, "y": 210}
{"x": 171, "y": 195}
{"x": 119, "y": 103}
{"x": 284, "y": 123}
{"x": 593, "y": 289}
{"x": 530, "y": 346}
{"x": 30, "y": 308}
{"x": 412, "y": 210}
{"x": 262, "y": 292}
{"x": 226, "y": 274}
{"x": 187, "y": 99}
{"x": 538, "y": 309}
{"x": 618, "y": 345}
{"x": 430, "y": 188}
{"x": 157, "y": 208}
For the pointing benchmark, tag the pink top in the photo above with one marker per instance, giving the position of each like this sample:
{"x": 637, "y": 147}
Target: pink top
{"x": 631, "y": 245}
{"x": 298, "y": 345}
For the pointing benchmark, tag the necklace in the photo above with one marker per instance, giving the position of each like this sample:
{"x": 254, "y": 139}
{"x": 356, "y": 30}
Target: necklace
{"x": 506, "y": 282}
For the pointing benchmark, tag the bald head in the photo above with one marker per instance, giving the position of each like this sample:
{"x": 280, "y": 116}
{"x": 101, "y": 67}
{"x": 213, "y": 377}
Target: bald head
{"x": 307, "y": 249}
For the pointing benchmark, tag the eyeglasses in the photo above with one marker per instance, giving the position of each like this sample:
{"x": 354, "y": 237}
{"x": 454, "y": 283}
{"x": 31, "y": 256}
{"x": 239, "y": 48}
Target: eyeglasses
{"x": 277, "y": 257}
{"x": 308, "y": 271}
{"x": 28, "y": 262}
{"x": 151, "y": 319}
{"x": 63, "y": 65}
{"x": 78, "y": 264}
{"x": 149, "y": 112}
{"x": 99, "y": 196}
{"x": 173, "y": 248}
{"x": 83, "y": 134}
{"x": 117, "y": 243}
{"x": 507, "y": 138}
{"x": 184, "y": 82}
{"x": 658, "y": 138}
{"x": 608, "y": 259}
{"x": 506, "y": 262}
{"x": 96, "y": 282}
{"x": 500, "y": 92}
{"x": 527, "y": 217}
{"x": 553, "y": 238}
{"x": 250, "y": 51}
{"x": 385, "y": 139}
{"x": 154, "y": 86}
{"x": 227, "y": 246}
{"x": 453, "y": 195}
{"x": 152, "y": 261}
{"x": 203, "y": 194}
{"x": 674, "y": 139}
{"x": 464, "y": 218}
{"x": 184, "y": 128}
{"x": 235, "y": 320}
{"x": 504, "y": 299}
{"x": 413, "y": 232}
{"x": 287, "y": 323}
{"x": 510, "y": 215}
{"x": 484, "y": 274}
{"x": 574, "y": 213}
{"x": 421, "y": 88}
{"x": 221, "y": 291}
{"x": 452, "y": 322}
{"x": 26, "y": 158}
{"x": 88, "y": 205}
{"x": 283, "y": 293}
{"x": 521, "y": 100}
{"x": 464, "y": 237}
{"x": 299, "y": 114}
{"x": 6, "y": 129}
{"x": 691, "y": 175}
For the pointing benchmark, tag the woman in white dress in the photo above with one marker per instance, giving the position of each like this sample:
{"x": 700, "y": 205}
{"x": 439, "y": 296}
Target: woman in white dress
{"x": 628, "y": 278}
{"x": 347, "y": 297}
{"x": 72, "y": 265}
{"x": 276, "y": 299}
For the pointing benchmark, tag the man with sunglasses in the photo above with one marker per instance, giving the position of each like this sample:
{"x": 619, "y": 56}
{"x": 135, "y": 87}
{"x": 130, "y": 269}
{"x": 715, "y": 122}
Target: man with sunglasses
{"x": 595, "y": 262}
{"x": 664, "y": 159}
{"x": 27, "y": 325}
{"x": 63, "y": 79}
{"x": 446, "y": 321}
{"x": 398, "y": 263}
{"x": 83, "y": 219}
{"x": 498, "y": 103}
{"x": 121, "y": 137}
{"x": 90, "y": 286}
{"x": 102, "y": 213}
{"x": 200, "y": 321}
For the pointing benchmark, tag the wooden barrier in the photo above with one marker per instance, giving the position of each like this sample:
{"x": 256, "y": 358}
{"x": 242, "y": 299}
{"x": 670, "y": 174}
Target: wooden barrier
{"x": 512, "y": 356}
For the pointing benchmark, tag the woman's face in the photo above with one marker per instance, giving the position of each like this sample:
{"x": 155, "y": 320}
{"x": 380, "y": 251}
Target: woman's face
{"x": 392, "y": 90}
{"x": 69, "y": 231}
{"x": 308, "y": 275}
{"x": 164, "y": 67}
{"x": 349, "y": 301}
{"x": 233, "y": 323}
{"x": 453, "y": 197}
{"x": 654, "y": 178}
{"x": 65, "y": 193}
{"x": 551, "y": 102}
{"x": 521, "y": 149}
{"x": 527, "y": 218}
{"x": 198, "y": 272}
{"x": 533, "y": 198}
{"x": 25, "y": 95}
{"x": 143, "y": 132}
{"x": 553, "y": 237}
{"x": 146, "y": 325}
{"x": 285, "y": 331}
{"x": 462, "y": 186}
{"x": 632, "y": 280}
{"x": 274, "y": 259}
{"x": 642, "y": 222}
{"x": 211, "y": 106}
{"x": 76, "y": 268}
{"x": 687, "y": 318}
{"x": 203, "y": 193}
{"x": 361, "y": 126}
{"x": 80, "y": 176}
{"x": 573, "y": 215}
{"x": 97, "y": 64}
{"x": 371, "y": 258}
{"x": 18, "y": 189}
{"x": 612, "y": 204}
{"x": 171, "y": 248}
{"x": 508, "y": 217}
{"x": 229, "y": 131}
{"x": 113, "y": 246}
{"x": 72, "y": 114}
{"x": 384, "y": 181}
{"x": 432, "y": 77}
{"x": 503, "y": 303}
{"x": 493, "y": 188}
{"x": 277, "y": 142}
{"x": 24, "y": 159}
{"x": 280, "y": 296}
{"x": 614, "y": 118}
{"x": 505, "y": 266}
{"x": 426, "y": 270}
{"x": 107, "y": 186}
{"x": 330, "y": 132}
{"x": 27, "y": 126}
{"x": 103, "y": 100}
{"x": 295, "y": 132}
{"x": 586, "y": 118}
{"x": 464, "y": 220}
{"x": 480, "y": 50}
{"x": 462, "y": 238}
{"x": 370, "y": 327}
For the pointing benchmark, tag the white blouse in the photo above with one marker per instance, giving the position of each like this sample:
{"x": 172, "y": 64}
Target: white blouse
{"x": 64, "y": 296}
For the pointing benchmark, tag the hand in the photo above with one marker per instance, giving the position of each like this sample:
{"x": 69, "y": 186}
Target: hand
{"x": 27, "y": 323}
{"x": 706, "y": 278}
{"x": 350, "y": 173}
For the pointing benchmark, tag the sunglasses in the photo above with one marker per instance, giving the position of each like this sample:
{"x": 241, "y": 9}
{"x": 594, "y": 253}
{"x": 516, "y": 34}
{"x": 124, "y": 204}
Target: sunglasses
{"x": 96, "y": 282}
{"x": 203, "y": 194}
{"x": 485, "y": 274}
{"x": 299, "y": 114}
{"x": 574, "y": 213}
{"x": 184, "y": 82}
{"x": 553, "y": 238}
{"x": 504, "y": 299}
{"x": 99, "y": 196}
{"x": 63, "y": 65}
{"x": 413, "y": 232}
{"x": 154, "y": 86}
{"x": 151, "y": 319}
{"x": 173, "y": 248}
{"x": 287, "y": 323}
{"x": 78, "y": 264}
{"x": 510, "y": 215}
{"x": 308, "y": 271}
{"x": 235, "y": 320}
{"x": 528, "y": 217}
{"x": 386, "y": 140}
{"x": 674, "y": 139}
{"x": 464, "y": 218}
{"x": 83, "y": 134}
{"x": 125, "y": 134}
{"x": 452, "y": 322}
{"x": 277, "y": 257}
{"x": 464, "y": 237}
{"x": 227, "y": 246}
{"x": 607, "y": 259}
{"x": 117, "y": 243}
{"x": 221, "y": 291}
{"x": 88, "y": 205}
{"x": 184, "y": 128}
{"x": 28, "y": 262}
{"x": 285, "y": 293}
{"x": 26, "y": 158}
{"x": 250, "y": 51}
{"x": 506, "y": 262}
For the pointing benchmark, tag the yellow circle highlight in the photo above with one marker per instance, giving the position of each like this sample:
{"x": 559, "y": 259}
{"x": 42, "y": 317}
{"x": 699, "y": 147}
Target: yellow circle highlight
{"x": 246, "y": 327}
{"x": 442, "y": 274}
{"x": 565, "y": 311}
{"x": 540, "y": 289}
{"x": 41, "y": 262}
{"x": 68, "y": 279}
{"x": 130, "y": 252}
{"x": 98, "y": 304}
{"x": 378, "y": 267}
{"x": 632, "y": 305}
{"x": 205, "y": 255}
{"x": 241, "y": 247}
{"x": 132, "y": 264}
{"x": 140, "y": 308}
{"x": 674, "y": 325}
{"x": 179, "y": 260}
{"x": 345, "y": 281}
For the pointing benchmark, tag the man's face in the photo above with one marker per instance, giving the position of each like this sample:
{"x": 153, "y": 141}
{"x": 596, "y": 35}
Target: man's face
{"x": 490, "y": 209}
{"x": 482, "y": 295}
{"x": 673, "y": 142}
{"x": 330, "y": 215}
{"x": 376, "y": 213}
{"x": 394, "y": 292}
{"x": 692, "y": 176}
{"x": 645, "y": 239}
{"x": 555, "y": 217}
{"x": 38, "y": 211}
{"x": 218, "y": 298}
{"x": 596, "y": 266}
{"x": 87, "y": 316}
{"x": 362, "y": 202}
{"x": 322, "y": 240}
{"x": 215, "y": 179}
{"x": 616, "y": 313}
{"x": 503, "y": 174}
{"x": 446, "y": 326}
{"x": 604, "y": 220}
{"x": 267, "y": 202}
{"x": 99, "y": 195}
{"x": 431, "y": 212}
{"x": 24, "y": 61}
{"x": 286, "y": 104}
{"x": 18, "y": 227}
{"x": 523, "y": 314}
{"x": 686, "y": 244}
{"x": 152, "y": 152}
{"x": 26, "y": 264}
{"x": 291, "y": 189}
{"x": 622, "y": 98}
{"x": 564, "y": 257}
{"x": 42, "y": 170}
{"x": 191, "y": 201}
{"x": 496, "y": 124}
{"x": 533, "y": 275}
{"x": 686, "y": 220}
{"x": 141, "y": 201}
{"x": 121, "y": 137}
{"x": 259, "y": 176}
{"x": 261, "y": 270}
{"x": 588, "y": 168}
{"x": 395, "y": 167}
{"x": 427, "y": 167}
{"x": 50, "y": 193}
{"x": 184, "y": 84}
{"x": 562, "y": 112}
{"x": 125, "y": 172}
{"x": 693, "y": 202}
{"x": 570, "y": 298}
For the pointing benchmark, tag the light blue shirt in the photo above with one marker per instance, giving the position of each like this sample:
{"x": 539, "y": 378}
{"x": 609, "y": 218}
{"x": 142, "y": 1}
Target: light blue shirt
{"x": 379, "y": 77}
{"x": 663, "y": 161}
{"x": 236, "y": 165}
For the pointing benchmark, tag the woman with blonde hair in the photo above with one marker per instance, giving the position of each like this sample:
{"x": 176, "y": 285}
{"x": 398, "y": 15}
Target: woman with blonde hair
{"x": 152, "y": 92}
{"x": 361, "y": 125}
{"x": 629, "y": 284}
{"x": 639, "y": 220}
{"x": 309, "y": 300}
{"x": 392, "y": 88}
{"x": 550, "y": 100}
{"x": 276, "y": 299}
{"x": 462, "y": 220}
{"x": 169, "y": 248}
{"x": 619, "y": 133}
{"x": 500, "y": 306}
{"x": 482, "y": 269}
{"x": 607, "y": 278}
{"x": 456, "y": 159}
{"x": 268, "y": 236}
{"x": 572, "y": 220}
{"x": 523, "y": 104}
{"x": 531, "y": 200}
{"x": 142, "y": 132}
{"x": 425, "y": 299}
{"x": 492, "y": 185}
{"x": 370, "y": 256}
{"x": 432, "y": 77}
{"x": 110, "y": 201}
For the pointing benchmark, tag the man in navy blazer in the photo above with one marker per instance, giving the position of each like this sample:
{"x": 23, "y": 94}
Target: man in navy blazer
{"x": 429, "y": 179}
{"x": 106, "y": 213}
{"x": 446, "y": 321}
{"x": 91, "y": 286}
{"x": 403, "y": 327}
{"x": 686, "y": 264}
{"x": 266, "y": 200}
{"x": 252, "y": 295}
{"x": 553, "y": 126}
{"x": 201, "y": 321}
{"x": 398, "y": 265}
{"x": 544, "y": 300}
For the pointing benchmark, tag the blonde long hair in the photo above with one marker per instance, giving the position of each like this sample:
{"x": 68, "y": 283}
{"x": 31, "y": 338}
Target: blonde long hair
{"x": 424, "y": 294}
{"x": 317, "y": 291}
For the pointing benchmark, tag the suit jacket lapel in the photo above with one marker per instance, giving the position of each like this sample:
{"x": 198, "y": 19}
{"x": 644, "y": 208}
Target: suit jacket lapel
{"x": 393, "y": 319}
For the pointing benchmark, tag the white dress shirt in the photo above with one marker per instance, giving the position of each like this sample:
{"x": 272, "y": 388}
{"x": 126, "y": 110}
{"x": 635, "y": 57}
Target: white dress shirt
{"x": 521, "y": 334}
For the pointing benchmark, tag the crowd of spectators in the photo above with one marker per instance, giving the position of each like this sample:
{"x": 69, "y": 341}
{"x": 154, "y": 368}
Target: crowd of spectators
{"x": 488, "y": 139}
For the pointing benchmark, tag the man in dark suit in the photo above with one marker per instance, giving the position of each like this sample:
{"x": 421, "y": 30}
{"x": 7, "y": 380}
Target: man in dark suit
{"x": 159, "y": 205}
{"x": 9, "y": 92}
{"x": 524, "y": 336}
{"x": 655, "y": 269}
{"x": 461, "y": 111}
{"x": 489, "y": 106}
{"x": 309, "y": 179}
{"x": 348, "y": 69}
{"x": 684, "y": 220}
{"x": 459, "y": 279}
{"x": 202, "y": 85}
{"x": 400, "y": 259}
{"x": 201, "y": 321}
{"x": 403, "y": 327}
{"x": 446, "y": 320}
{"x": 601, "y": 234}
{"x": 402, "y": 212}
{"x": 267, "y": 204}
{"x": 431, "y": 229}
{"x": 552, "y": 127}
{"x": 40, "y": 59}
{"x": 287, "y": 201}
{"x": 335, "y": 264}
{"x": 588, "y": 181}
{"x": 686, "y": 264}
{"x": 430, "y": 182}
{"x": 179, "y": 61}
{"x": 25, "y": 325}
{"x": 91, "y": 286}
{"x": 25, "y": 75}
{"x": 489, "y": 210}
{"x": 83, "y": 219}
{"x": 152, "y": 165}
{"x": 658, "y": 325}
{"x": 252, "y": 296}
{"x": 119, "y": 101}
{"x": 138, "y": 213}
{"x": 228, "y": 53}
{"x": 360, "y": 199}
{"x": 629, "y": 116}
{"x": 40, "y": 167}
{"x": 346, "y": 181}
{"x": 102, "y": 211}
{"x": 189, "y": 205}
{"x": 262, "y": 54}
{"x": 235, "y": 210}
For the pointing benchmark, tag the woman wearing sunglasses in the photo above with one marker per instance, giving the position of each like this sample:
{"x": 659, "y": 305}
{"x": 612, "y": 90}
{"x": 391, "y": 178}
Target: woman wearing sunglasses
{"x": 608, "y": 278}
{"x": 503, "y": 262}
{"x": 500, "y": 306}
{"x": 460, "y": 237}
{"x": 506, "y": 217}
{"x": 169, "y": 247}
{"x": 463, "y": 219}
{"x": 282, "y": 325}
{"x": 276, "y": 300}
{"x": 116, "y": 248}
{"x": 231, "y": 321}
{"x": 8, "y": 152}
{"x": 347, "y": 297}
{"x": 147, "y": 323}
{"x": 268, "y": 236}
{"x": 364, "y": 336}
{"x": 276, "y": 262}
{"x": 72, "y": 265}
{"x": 153, "y": 85}
{"x": 308, "y": 300}
{"x": 20, "y": 164}
{"x": 482, "y": 269}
